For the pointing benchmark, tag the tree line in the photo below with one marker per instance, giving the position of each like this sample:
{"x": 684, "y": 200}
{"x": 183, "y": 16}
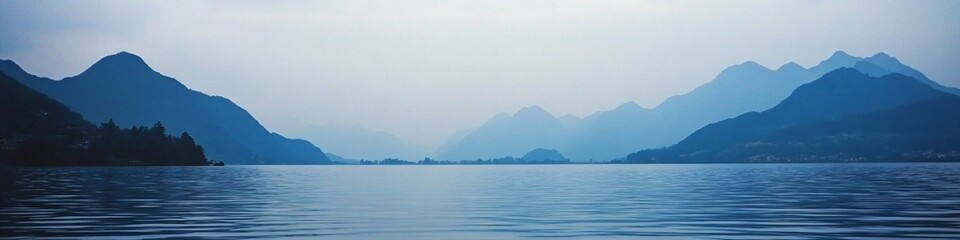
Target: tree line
{"x": 104, "y": 145}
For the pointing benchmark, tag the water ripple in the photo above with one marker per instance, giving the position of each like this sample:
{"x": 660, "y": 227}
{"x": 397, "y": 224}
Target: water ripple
{"x": 735, "y": 201}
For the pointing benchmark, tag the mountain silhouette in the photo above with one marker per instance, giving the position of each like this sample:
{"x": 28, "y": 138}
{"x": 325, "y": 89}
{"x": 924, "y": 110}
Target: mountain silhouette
{"x": 36, "y": 130}
{"x": 507, "y": 135}
{"x": 338, "y": 159}
{"x": 607, "y": 131}
{"x": 350, "y": 142}
{"x": 543, "y": 155}
{"x": 28, "y": 112}
{"x": 122, "y": 87}
{"x": 841, "y": 102}
{"x": 737, "y": 89}
{"x": 891, "y": 64}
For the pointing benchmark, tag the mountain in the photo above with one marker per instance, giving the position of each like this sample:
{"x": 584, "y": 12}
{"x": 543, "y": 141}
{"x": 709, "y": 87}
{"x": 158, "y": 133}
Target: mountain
{"x": 122, "y": 87}
{"x": 543, "y": 155}
{"x": 352, "y": 142}
{"x": 737, "y": 89}
{"x": 845, "y": 115}
{"x": 891, "y": 64}
{"x": 507, "y": 135}
{"x": 38, "y": 131}
{"x": 744, "y": 88}
{"x": 24, "y": 111}
{"x": 338, "y": 159}
{"x": 602, "y": 133}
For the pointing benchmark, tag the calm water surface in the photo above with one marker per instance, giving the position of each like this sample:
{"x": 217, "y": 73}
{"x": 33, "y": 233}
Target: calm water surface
{"x": 735, "y": 201}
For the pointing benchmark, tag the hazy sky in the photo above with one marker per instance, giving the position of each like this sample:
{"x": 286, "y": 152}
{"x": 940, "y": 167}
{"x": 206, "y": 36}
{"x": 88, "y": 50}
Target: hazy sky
{"x": 424, "y": 69}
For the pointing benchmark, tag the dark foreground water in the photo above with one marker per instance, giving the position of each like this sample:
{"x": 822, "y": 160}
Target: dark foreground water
{"x": 736, "y": 201}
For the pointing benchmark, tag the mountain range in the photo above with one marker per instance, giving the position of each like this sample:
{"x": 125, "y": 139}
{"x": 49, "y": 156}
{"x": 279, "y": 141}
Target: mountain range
{"x": 611, "y": 134}
{"x": 508, "y": 135}
{"x": 349, "y": 141}
{"x": 846, "y": 115}
{"x": 123, "y": 88}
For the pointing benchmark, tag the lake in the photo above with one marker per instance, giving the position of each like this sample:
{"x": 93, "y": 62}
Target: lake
{"x": 682, "y": 201}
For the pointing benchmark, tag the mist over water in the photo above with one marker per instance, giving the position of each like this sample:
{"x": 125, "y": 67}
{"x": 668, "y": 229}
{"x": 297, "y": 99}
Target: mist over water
{"x": 713, "y": 201}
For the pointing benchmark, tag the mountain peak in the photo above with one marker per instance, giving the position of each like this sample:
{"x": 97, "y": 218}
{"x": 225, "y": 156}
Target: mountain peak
{"x": 883, "y": 58}
{"x": 790, "y": 66}
{"x": 881, "y": 55}
{"x": 124, "y": 54}
{"x": 125, "y": 71}
{"x": 122, "y": 62}
{"x": 751, "y": 64}
{"x": 740, "y": 71}
{"x": 748, "y": 66}
{"x": 840, "y": 54}
{"x": 837, "y": 60}
{"x": 533, "y": 113}
{"x": 629, "y": 105}
{"x": 124, "y": 57}
{"x": 531, "y": 110}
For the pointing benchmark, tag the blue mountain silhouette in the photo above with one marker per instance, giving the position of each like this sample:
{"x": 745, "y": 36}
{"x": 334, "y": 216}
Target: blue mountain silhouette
{"x": 543, "y": 155}
{"x": 124, "y": 88}
{"x": 351, "y": 142}
{"x": 737, "y": 89}
{"x": 507, "y": 135}
{"x": 832, "y": 111}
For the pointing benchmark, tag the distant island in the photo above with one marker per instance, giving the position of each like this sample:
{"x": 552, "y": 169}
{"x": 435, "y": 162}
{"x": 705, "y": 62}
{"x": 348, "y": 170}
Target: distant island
{"x": 38, "y": 131}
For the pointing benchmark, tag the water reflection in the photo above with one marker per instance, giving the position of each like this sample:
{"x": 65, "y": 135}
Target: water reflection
{"x": 737, "y": 201}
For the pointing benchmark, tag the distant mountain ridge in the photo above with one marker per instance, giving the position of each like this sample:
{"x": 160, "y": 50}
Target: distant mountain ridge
{"x": 508, "y": 135}
{"x": 615, "y": 133}
{"x": 845, "y": 115}
{"x": 124, "y": 88}
{"x": 543, "y": 155}
{"x": 350, "y": 142}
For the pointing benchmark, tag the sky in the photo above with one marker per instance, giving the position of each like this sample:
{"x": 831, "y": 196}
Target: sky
{"x": 425, "y": 69}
